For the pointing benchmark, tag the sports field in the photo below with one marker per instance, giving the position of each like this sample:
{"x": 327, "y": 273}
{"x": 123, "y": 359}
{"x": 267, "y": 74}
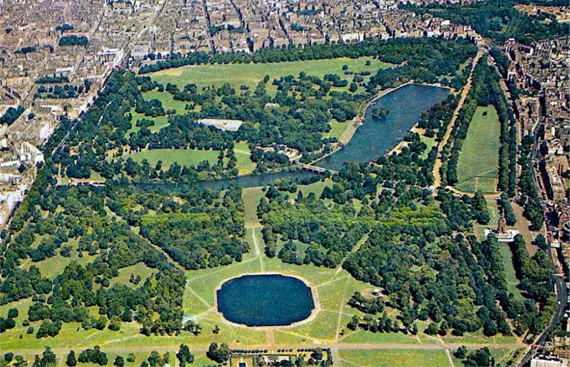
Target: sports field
{"x": 251, "y": 74}
{"x": 479, "y": 157}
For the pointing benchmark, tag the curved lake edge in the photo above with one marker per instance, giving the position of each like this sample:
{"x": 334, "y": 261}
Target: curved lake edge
{"x": 405, "y": 110}
{"x": 314, "y": 294}
{"x": 296, "y": 173}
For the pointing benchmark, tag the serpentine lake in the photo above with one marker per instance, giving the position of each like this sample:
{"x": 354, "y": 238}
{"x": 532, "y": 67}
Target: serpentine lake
{"x": 265, "y": 300}
{"x": 373, "y": 139}
{"x": 376, "y": 138}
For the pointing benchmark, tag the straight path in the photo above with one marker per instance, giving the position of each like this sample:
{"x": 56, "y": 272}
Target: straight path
{"x": 332, "y": 346}
{"x": 356, "y": 247}
{"x": 443, "y": 142}
{"x": 257, "y": 252}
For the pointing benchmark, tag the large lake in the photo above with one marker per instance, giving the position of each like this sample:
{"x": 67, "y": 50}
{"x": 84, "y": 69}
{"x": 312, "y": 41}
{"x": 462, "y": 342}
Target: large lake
{"x": 265, "y": 300}
{"x": 376, "y": 138}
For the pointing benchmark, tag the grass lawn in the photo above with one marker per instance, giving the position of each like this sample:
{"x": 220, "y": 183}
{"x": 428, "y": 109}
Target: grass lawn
{"x": 362, "y": 336}
{"x": 168, "y": 101}
{"x": 430, "y": 142}
{"x": 315, "y": 188}
{"x": 184, "y": 157}
{"x": 501, "y": 355}
{"x": 244, "y": 163}
{"x": 139, "y": 269}
{"x": 479, "y": 157}
{"x": 394, "y": 358}
{"x": 252, "y": 74}
{"x": 337, "y": 129}
{"x": 512, "y": 280}
{"x": 322, "y": 328}
{"x": 251, "y": 197}
{"x": 159, "y": 122}
{"x": 51, "y": 267}
{"x": 191, "y": 157}
{"x": 22, "y": 306}
{"x": 479, "y": 338}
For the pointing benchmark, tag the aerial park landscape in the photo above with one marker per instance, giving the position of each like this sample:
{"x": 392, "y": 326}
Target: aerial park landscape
{"x": 319, "y": 205}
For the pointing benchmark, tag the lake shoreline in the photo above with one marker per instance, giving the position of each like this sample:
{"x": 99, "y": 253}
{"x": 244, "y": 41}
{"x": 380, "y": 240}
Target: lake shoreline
{"x": 314, "y": 312}
{"x": 372, "y": 139}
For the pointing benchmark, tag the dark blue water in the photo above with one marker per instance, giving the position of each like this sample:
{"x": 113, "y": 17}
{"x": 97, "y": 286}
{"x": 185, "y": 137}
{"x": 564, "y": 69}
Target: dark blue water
{"x": 265, "y": 300}
{"x": 259, "y": 180}
{"x": 376, "y": 138}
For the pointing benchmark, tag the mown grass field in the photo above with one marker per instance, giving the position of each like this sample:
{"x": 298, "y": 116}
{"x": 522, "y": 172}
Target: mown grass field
{"x": 159, "y": 122}
{"x": 251, "y": 197}
{"x": 184, "y": 157}
{"x": 52, "y": 266}
{"x": 168, "y": 101}
{"x": 251, "y": 74}
{"x": 337, "y": 129}
{"x": 191, "y": 157}
{"x": 479, "y": 157}
{"x": 393, "y": 358}
{"x": 138, "y": 269}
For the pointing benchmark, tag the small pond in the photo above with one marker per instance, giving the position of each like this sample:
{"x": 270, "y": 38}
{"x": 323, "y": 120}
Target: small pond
{"x": 265, "y": 300}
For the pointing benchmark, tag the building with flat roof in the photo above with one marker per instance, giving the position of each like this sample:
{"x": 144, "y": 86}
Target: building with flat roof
{"x": 222, "y": 124}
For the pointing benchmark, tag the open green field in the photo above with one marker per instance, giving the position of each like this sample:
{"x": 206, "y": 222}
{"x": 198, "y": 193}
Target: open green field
{"x": 479, "y": 157}
{"x": 159, "y": 122}
{"x": 512, "y": 281}
{"x": 52, "y": 266}
{"x": 251, "y": 197}
{"x": 244, "y": 163}
{"x": 430, "y": 142}
{"x": 184, "y": 157}
{"x": 393, "y": 358}
{"x": 168, "y": 101}
{"x": 337, "y": 129}
{"x": 191, "y": 157}
{"x": 251, "y": 74}
{"x": 138, "y": 269}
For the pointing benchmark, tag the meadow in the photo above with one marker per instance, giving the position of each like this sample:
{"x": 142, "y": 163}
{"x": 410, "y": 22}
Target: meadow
{"x": 250, "y": 74}
{"x": 479, "y": 157}
{"x": 393, "y": 358}
{"x": 191, "y": 157}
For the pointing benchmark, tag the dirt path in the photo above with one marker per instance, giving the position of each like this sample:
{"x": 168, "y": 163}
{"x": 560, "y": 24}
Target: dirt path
{"x": 455, "y": 190}
{"x": 356, "y": 247}
{"x": 256, "y": 249}
{"x": 443, "y": 142}
{"x": 448, "y": 353}
{"x": 340, "y": 313}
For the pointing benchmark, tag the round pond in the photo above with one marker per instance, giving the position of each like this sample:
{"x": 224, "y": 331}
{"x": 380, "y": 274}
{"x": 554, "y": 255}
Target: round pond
{"x": 265, "y": 300}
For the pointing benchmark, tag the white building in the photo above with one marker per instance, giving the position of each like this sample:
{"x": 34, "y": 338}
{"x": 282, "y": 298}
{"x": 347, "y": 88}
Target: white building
{"x": 30, "y": 153}
{"x": 548, "y": 361}
{"x": 226, "y": 125}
